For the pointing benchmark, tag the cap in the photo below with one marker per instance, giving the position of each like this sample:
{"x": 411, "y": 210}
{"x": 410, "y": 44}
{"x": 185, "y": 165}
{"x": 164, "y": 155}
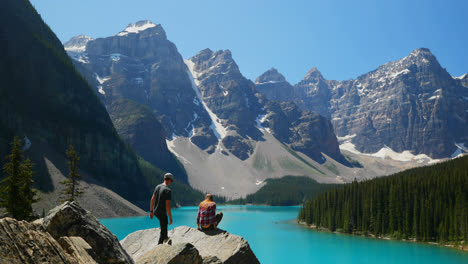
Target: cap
{"x": 169, "y": 176}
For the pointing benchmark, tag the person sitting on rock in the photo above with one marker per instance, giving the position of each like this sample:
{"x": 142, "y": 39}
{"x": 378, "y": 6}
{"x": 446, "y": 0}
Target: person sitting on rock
{"x": 207, "y": 219}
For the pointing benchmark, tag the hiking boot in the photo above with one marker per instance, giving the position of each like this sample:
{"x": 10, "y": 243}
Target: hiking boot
{"x": 167, "y": 241}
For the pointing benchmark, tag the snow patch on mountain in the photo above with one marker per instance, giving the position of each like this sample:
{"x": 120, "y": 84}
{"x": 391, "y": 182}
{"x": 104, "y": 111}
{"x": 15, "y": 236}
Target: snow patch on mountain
{"x": 383, "y": 153}
{"x": 460, "y": 77}
{"x": 259, "y": 120}
{"x": 137, "y": 27}
{"x": 218, "y": 129}
{"x": 100, "y": 90}
{"x": 79, "y": 56}
{"x": 115, "y": 56}
{"x": 77, "y": 44}
{"x": 101, "y": 80}
{"x": 461, "y": 150}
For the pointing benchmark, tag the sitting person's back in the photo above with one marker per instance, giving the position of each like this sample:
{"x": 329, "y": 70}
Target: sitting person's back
{"x": 207, "y": 217}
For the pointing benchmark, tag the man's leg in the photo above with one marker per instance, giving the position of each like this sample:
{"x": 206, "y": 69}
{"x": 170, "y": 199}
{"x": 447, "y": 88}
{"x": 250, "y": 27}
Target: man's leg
{"x": 163, "y": 224}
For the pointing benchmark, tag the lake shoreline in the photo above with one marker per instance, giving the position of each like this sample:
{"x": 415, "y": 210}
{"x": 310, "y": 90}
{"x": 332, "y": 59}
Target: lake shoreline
{"x": 463, "y": 248}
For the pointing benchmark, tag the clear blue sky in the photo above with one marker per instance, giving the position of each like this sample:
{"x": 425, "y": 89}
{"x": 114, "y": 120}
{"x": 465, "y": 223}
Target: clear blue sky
{"x": 342, "y": 38}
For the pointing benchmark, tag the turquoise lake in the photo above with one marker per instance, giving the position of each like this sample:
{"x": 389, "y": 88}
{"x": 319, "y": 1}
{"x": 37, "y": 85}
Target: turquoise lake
{"x": 275, "y": 237}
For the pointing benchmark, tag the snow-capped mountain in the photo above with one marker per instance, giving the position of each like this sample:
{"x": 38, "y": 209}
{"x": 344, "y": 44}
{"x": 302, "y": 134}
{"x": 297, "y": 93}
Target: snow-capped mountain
{"x": 77, "y": 43}
{"x": 137, "y": 27}
{"x": 213, "y": 117}
{"x": 412, "y": 104}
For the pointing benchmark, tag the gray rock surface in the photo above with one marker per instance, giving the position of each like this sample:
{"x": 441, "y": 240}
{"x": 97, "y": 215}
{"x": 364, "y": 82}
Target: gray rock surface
{"x": 212, "y": 260}
{"x": 182, "y": 253}
{"x": 69, "y": 219}
{"x": 274, "y": 86}
{"x": 226, "y": 247}
{"x": 22, "y": 242}
{"x": 78, "y": 249}
{"x": 230, "y": 96}
{"x": 304, "y": 131}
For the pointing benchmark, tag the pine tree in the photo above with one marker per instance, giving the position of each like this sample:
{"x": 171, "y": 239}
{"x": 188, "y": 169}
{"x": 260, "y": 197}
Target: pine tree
{"x": 26, "y": 190}
{"x": 72, "y": 187}
{"x": 16, "y": 192}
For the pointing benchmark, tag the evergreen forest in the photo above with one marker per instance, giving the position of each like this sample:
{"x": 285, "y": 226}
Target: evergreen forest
{"x": 426, "y": 204}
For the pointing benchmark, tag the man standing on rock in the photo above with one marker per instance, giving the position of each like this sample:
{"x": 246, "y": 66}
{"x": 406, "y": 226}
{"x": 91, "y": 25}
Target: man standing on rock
{"x": 160, "y": 204}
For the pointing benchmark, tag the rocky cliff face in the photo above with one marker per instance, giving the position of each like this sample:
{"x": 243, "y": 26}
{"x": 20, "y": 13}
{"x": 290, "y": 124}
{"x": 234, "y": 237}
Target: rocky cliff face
{"x": 139, "y": 127}
{"x": 274, "y": 86}
{"x": 410, "y": 104}
{"x": 313, "y": 93}
{"x": 140, "y": 64}
{"x": 305, "y": 131}
{"x": 230, "y": 97}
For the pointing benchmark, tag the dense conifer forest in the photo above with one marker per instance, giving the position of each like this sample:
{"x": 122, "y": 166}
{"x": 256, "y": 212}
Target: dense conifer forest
{"x": 426, "y": 204}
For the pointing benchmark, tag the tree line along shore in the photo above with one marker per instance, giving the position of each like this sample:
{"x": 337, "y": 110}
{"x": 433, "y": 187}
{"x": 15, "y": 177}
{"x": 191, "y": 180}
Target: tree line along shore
{"x": 427, "y": 204}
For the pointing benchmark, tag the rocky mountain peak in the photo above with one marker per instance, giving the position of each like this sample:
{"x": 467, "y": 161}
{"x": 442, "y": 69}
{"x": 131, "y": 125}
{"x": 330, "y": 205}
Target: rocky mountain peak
{"x": 463, "y": 77}
{"x": 313, "y": 74}
{"x": 138, "y": 27}
{"x": 419, "y": 60}
{"x": 77, "y": 43}
{"x": 219, "y": 62}
{"x": 270, "y": 76}
{"x": 421, "y": 56}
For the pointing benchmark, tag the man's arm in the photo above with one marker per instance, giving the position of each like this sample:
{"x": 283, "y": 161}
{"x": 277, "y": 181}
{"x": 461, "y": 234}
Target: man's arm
{"x": 168, "y": 210}
{"x": 152, "y": 206}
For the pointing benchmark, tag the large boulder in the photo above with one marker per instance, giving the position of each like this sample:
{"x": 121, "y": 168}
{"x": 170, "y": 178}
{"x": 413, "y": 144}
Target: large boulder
{"x": 183, "y": 253}
{"x": 22, "y": 242}
{"x": 70, "y": 220}
{"x": 226, "y": 247}
{"x": 78, "y": 248}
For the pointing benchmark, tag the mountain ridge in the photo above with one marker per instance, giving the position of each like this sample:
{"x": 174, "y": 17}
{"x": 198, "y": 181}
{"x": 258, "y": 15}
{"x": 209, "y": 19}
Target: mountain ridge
{"x": 390, "y": 106}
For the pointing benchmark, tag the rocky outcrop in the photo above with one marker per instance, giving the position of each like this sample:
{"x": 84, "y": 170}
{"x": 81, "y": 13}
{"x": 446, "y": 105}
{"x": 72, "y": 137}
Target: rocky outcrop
{"x": 70, "y": 220}
{"x": 22, "y": 242}
{"x": 182, "y": 253}
{"x": 213, "y": 244}
{"x": 68, "y": 234}
{"x": 78, "y": 249}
